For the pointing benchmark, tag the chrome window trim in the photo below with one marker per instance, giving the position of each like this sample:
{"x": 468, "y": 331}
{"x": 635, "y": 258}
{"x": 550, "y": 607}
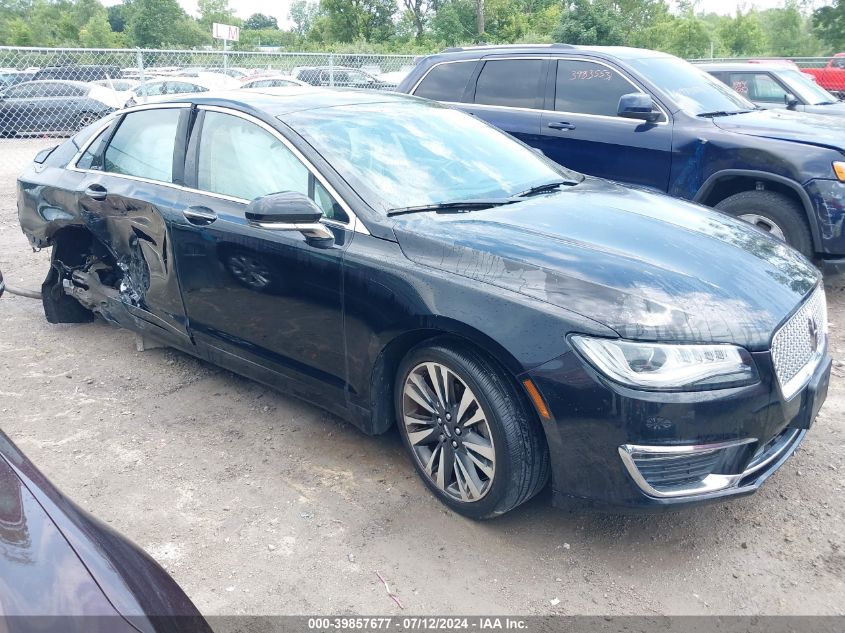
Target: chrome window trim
{"x": 354, "y": 223}
{"x": 541, "y": 110}
{"x": 711, "y": 483}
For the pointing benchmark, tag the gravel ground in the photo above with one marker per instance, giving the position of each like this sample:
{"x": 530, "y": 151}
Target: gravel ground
{"x": 258, "y": 503}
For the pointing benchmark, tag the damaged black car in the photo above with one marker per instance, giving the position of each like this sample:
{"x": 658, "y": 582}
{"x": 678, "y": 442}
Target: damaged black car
{"x": 399, "y": 262}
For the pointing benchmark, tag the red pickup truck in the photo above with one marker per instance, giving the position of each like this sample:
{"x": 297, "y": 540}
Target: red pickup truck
{"x": 832, "y": 76}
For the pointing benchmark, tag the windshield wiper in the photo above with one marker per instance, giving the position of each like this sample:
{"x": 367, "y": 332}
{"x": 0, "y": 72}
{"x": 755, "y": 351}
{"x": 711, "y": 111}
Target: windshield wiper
{"x": 549, "y": 186}
{"x": 456, "y": 205}
{"x": 716, "y": 113}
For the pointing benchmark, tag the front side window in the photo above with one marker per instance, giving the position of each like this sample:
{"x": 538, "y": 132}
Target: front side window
{"x": 143, "y": 145}
{"x": 510, "y": 82}
{"x": 410, "y": 153}
{"x": 240, "y": 159}
{"x": 757, "y": 87}
{"x": 25, "y": 91}
{"x": 446, "y": 82}
{"x": 589, "y": 88}
{"x": 63, "y": 90}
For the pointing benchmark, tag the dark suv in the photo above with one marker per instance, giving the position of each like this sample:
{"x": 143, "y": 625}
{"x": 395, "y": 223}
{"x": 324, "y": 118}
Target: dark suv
{"x": 650, "y": 119}
{"x": 86, "y": 73}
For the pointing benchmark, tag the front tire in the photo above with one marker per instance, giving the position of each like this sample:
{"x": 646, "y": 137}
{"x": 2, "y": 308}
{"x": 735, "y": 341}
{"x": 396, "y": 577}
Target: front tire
{"x": 774, "y": 213}
{"x": 472, "y": 438}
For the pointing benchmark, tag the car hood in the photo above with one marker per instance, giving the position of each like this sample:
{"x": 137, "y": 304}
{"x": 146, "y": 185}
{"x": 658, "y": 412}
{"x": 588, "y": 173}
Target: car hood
{"x": 836, "y": 109}
{"x": 802, "y": 127}
{"x": 646, "y": 265}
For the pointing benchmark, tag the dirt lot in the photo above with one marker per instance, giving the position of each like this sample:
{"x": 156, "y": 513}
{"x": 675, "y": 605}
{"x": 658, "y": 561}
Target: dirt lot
{"x": 260, "y": 504}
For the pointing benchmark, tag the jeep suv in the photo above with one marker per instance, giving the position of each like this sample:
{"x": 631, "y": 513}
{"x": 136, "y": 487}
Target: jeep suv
{"x": 653, "y": 120}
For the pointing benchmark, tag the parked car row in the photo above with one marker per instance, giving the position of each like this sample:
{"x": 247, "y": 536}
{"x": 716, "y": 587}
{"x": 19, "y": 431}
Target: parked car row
{"x": 69, "y": 101}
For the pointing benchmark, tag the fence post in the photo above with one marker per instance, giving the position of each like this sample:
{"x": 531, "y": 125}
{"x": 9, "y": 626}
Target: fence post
{"x": 225, "y": 55}
{"x": 331, "y": 69}
{"x": 140, "y": 59}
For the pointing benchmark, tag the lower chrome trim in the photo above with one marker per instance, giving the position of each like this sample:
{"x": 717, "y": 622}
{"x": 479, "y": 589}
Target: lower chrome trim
{"x": 759, "y": 462}
{"x": 711, "y": 483}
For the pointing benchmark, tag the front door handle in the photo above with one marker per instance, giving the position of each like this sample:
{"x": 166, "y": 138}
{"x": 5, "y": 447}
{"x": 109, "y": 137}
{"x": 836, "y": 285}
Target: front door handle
{"x": 561, "y": 125}
{"x": 199, "y": 215}
{"x": 96, "y": 192}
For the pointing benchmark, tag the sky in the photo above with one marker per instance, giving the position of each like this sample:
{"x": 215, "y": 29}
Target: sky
{"x": 280, "y": 8}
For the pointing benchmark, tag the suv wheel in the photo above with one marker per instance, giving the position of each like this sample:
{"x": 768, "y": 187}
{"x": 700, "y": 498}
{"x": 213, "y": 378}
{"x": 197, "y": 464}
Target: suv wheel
{"x": 774, "y": 213}
{"x": 472, "y": 438}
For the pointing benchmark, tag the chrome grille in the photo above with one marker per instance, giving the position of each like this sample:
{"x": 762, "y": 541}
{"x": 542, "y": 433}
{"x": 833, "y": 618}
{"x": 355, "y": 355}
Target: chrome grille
{"x": 799, "y": 344}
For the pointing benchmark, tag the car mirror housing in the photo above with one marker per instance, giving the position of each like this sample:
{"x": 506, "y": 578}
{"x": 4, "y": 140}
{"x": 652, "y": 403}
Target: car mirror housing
{"x": 790, "y": 100}
{"x": 637, "y": 106}
{"x": 290, "y": 211}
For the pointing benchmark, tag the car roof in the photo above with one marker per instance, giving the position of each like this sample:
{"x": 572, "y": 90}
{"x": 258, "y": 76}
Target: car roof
{"x": 617, "y": 52}
{"x": 284, "y": 100}
{"x": 66, "y": 82}
{"x": 746, "y": 66}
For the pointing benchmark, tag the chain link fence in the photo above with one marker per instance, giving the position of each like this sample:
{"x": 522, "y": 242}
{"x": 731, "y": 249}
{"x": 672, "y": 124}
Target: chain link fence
{"x": 55, "y": 92}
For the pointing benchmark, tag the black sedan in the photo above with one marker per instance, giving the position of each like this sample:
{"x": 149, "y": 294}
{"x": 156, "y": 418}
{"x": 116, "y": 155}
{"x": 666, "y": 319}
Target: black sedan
{"x": 396, "y": 261}
{"x": 53, "y": 106}
{"x": 62, "y": 570}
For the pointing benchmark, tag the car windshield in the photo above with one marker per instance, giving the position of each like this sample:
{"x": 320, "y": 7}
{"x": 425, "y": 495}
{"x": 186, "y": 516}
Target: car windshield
{"x": 805, "y": 88}
{"x": 412, "y": 154}
{"x": 693, "y": 90}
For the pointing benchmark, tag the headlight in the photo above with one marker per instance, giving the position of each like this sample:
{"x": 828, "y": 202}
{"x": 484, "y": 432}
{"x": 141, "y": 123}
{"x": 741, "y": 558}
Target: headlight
{"x": 839, "y": 169}
{"x": 658, "y": 366}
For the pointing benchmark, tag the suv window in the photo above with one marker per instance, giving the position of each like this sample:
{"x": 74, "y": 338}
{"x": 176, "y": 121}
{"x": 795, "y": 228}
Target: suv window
{"x": 143, "y": 145}
{"x": 589, "y": 88}
{"x": 238, "y": 158}
{"x": 86, "y": 161}
{"x": 757, "y": 87}
{"x": 446, "y": 82}
{"x": 509, "y": 82}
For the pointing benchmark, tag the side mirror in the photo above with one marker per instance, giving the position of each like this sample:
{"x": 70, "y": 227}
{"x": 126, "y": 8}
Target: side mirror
{"x": 290, "y": 211}
{"x": 637, "y": 106}
{"x": 790, "y": 100}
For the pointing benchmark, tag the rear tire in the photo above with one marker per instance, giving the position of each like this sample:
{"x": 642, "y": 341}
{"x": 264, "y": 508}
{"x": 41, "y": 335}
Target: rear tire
{"x": 488, "y": 443}
{"x": 774, "y": 213}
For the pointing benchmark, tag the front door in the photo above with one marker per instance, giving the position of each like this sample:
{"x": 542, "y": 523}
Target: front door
{"x": 581, "y": 130}
{"x": 259, "y": 298}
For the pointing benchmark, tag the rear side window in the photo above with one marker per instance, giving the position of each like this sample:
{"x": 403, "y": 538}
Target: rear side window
{"x": 143, "y": 145}
{"x": 589, "y": 88}
{"x": 510, "y": 82}
{"x": 757, "y": 87}
{"x": 446, "y": 82}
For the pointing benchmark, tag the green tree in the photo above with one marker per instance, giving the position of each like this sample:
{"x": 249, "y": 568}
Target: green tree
{"x": 829, "y": 25}
{"x": 351, "y": 20}
{"x": 259, "y": 21}
{"x": 212, "y": 11}
{"x": 590, "y": 22}
{"x": 302, "y": 14}
{"x": 97, "y": 33}
{"x": 117, "y": 18}
{"x": 742, "y": 35}
{"x": 157, "y": 23}
{"x": 454, "y": 22}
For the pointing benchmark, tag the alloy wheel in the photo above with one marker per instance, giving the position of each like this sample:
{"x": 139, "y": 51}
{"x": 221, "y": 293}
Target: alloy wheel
{"x": 448, "y": 431}
{"x": 764, "y": 223}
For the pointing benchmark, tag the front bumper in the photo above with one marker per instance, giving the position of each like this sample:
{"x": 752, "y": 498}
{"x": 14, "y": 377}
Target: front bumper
{"x": 611, "y": 446}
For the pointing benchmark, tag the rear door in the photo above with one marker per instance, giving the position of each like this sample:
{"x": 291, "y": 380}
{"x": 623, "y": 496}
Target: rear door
{"x": 130, "y": 190}
{"x": 581, "y": 130}
{"x": 508, "y": 93}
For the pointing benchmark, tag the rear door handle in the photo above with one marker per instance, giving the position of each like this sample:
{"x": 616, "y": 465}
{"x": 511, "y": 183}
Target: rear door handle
{"x": 561, "y": 125}
{"x": 199, "y": 215}
{"x": 96, "y": 192}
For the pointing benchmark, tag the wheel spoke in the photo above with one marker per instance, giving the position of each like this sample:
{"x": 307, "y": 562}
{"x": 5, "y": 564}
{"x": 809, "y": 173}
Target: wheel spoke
{"x": 429, "y": 465}
{"x": 441, "y": 469}
{"x": 438, "y": 382}
{"x": 480, "y": 445}
{"x": 471, "y": 478}
{"x": 424, "y": 436}
{"x": 459, "y": 480}
{"x": 480, "y": 465}
{"x": 477, "y": 417}
{"x": 466, "y": 400}
{"x": 418, "y": 391}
